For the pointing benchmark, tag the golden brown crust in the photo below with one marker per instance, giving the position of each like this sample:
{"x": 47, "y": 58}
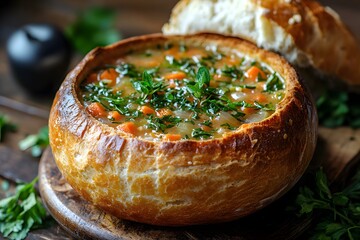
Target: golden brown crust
{"x": 322, "y": 35}
{"x": 304, "y": 31}
{"x": 183, "y": 182}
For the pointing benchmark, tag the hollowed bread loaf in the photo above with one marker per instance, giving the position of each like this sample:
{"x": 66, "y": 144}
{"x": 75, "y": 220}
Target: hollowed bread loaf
{"x": 119, "y": 150}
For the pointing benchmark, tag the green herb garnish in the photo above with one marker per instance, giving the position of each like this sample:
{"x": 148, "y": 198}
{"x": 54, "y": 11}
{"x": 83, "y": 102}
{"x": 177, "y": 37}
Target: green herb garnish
{"x": 6, "y": 125}
{"x": 128, "y": 70}
{"x": 202, "y": 81}
{"x": 232, "y": 72}
{"x": 274, "y": 83}
{"x": 163, "y": 123}
{"x": 336, "y": 108}
{"x": 192, "y": 94}
{"x": 37, "y": 142}
{"x": 339, "y": 212}
{"x": 94, "y": 27}
{"x": 147, "y": 86}
{"x": 266, "y": 107}
{"x": 198, "y": 133}
{"x": 22, "y": 212}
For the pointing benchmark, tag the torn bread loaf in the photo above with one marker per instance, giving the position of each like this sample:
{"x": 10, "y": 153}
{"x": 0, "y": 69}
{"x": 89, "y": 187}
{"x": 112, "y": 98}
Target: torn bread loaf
{"x": 306, "y": 33}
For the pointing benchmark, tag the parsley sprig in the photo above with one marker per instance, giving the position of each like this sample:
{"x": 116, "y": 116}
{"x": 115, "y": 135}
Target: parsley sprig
{"x": 337, "y": 108}
{"x": 274, "y": 83}
{"x": 202, "y": 81}
{"x": 163, "y": 123}
{"x": 92, "y": 28}
{"x": 36, "y": 142}
{"x": 193, "y": 94}
{"x": 199, "y": 133}
{"x": 21, "y": 212}
{"x": 338, "y": 212}
{"x": 6, "y": 125}
{"x": 147, "y": 86}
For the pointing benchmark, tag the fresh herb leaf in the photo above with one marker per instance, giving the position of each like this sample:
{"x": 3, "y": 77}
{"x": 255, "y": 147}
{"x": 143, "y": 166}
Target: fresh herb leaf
{"x": 112, "y": 101}
{"x": 339, "y": 212}
{"x": 266, "y": 107}
{"x": 203, "y": 77}
{"x": 232, "y": 72}
{"x": 336, "y": 108}
{"x": 128, "y": 70}
{"x": 37, "y": 143}
{"x": 6, "y": 125}
{"x": 198, "y": 133}
{"x": 147, "y": 86}
{"x": 207, "y": 123}
{"x": 202, "y": 81}
{"x": 22, "y": 212}
{"x": 274, "y": 83}
{"x": 93, "y": 27}
{"x": 163, "y": 123}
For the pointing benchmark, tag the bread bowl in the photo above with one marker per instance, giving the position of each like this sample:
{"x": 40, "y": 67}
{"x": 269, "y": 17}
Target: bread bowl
{"x": 306, "y": 33}
{"x": 152, "y": 179}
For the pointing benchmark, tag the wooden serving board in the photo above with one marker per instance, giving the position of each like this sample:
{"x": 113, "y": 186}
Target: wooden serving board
{"x": 337, "y": 150}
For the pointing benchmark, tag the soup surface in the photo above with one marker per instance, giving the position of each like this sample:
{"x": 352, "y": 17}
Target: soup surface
{"x": 173, "y": 92}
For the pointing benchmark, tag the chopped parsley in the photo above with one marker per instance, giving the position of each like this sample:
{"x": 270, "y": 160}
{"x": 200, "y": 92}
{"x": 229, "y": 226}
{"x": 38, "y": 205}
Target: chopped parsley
{"x": 232, "y": 72}
{"x": 198, "y": 133}
{"x": 147, "y": 86}
{"x": 6, "y": 125}
{"x": 190, "y": 89}
{"x": 161, "y": 124}
{"x": 274, "y": 83}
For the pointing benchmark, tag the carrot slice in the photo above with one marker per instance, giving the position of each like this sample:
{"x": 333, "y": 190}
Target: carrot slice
{"x": 114, "y": 115}
{"x": 249, "y": 111}
{"x": 253, "y": 73}
{"x": 96, "y": 110}
{"x": 163, "y": 112}
{"x": 175, "y": 75}
{"x": 128, "y": 127}
{"x": 260, "y": 97}
{"x": 147, "y": 110}
{"x": 172, "y": 137}
{"x": 110, "y": 75}
{"x": 174, "y": 51}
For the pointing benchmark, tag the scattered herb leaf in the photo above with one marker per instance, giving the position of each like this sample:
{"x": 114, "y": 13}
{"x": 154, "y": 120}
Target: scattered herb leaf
{"x": 147, "y": 86}
{"x": 202, "y": 81}
{"x": 161, "y": 124}
{"x": 339, "y": 212}
{"x": 6, "y": 125}
{"x": 37, "y": 142}
{"x": 273, "y": 83}
{"x": 93, "y": 27}
{"x": 21, "y": 212}
{"x": 198, "y": 133}
{"x": 336, "y": 108}
{"x": 232, "y": 72}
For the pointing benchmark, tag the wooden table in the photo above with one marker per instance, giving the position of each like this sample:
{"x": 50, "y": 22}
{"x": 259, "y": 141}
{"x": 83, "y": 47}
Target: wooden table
{"x": 135, "y": 17}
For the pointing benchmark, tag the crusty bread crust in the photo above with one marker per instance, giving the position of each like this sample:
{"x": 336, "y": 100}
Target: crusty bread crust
{"x": 189, "y": 181}
{"x": 303, "y": 31}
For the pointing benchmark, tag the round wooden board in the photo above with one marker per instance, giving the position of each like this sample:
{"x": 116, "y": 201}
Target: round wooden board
{"x": 85, "y": 221}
